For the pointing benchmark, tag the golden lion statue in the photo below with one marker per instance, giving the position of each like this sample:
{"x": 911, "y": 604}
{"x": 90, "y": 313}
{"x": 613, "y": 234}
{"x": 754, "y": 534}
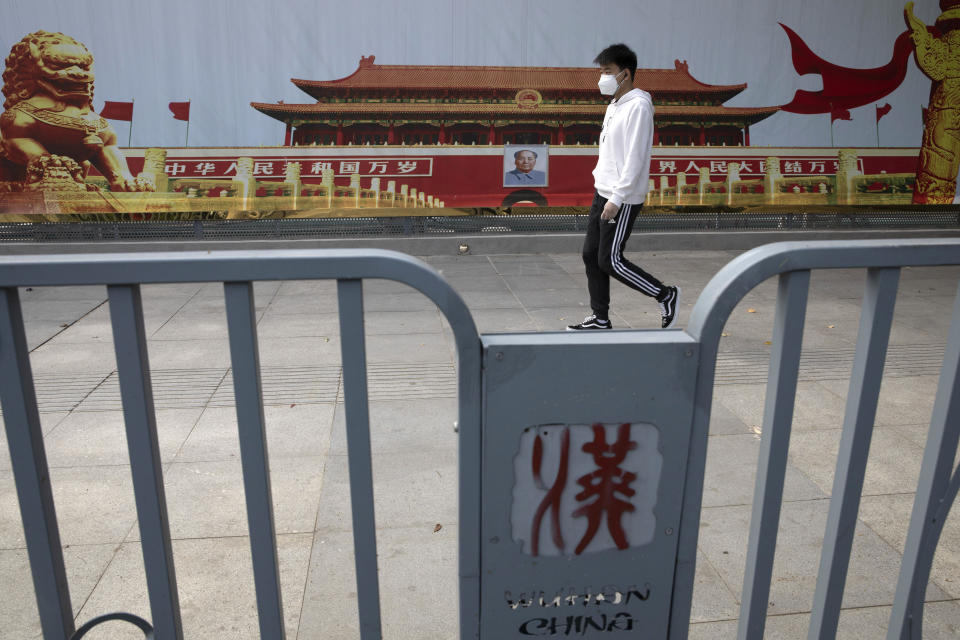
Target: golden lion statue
{"x": 49, "y": 133}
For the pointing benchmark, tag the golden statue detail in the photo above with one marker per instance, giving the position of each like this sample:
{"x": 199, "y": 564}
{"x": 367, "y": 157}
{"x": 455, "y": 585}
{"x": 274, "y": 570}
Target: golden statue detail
{"x": 49, "y": 133}
{"x": 938, "y": 56}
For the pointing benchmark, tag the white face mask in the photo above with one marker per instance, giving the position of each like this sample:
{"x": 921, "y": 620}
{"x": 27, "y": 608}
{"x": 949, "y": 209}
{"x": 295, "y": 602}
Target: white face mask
{"x": 608, "y": 84}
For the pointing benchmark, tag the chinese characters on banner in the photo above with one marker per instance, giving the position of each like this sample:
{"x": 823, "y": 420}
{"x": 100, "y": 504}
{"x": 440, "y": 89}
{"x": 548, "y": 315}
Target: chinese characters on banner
{"x": 423, "y": 167}
{"x": 585, "y": 488}
{"x": 309, "y": 167}
{"x": 749, "y": 168}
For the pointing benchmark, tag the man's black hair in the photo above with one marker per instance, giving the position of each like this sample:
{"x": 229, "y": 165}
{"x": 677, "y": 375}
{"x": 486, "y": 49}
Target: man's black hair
{"x": 620, "y": 55}
{"x": 517, "y": 153}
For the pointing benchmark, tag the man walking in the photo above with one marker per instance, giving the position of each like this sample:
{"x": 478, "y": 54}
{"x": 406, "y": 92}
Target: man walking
{"x": 621, "y": 181}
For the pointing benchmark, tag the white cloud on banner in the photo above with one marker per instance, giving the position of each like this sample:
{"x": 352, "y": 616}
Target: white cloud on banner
{"x": 223, "y": 54}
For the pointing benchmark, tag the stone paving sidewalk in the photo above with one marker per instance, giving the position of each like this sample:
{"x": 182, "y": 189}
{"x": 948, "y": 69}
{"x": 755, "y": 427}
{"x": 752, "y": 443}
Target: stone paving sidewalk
{"x": 413, "y": 407}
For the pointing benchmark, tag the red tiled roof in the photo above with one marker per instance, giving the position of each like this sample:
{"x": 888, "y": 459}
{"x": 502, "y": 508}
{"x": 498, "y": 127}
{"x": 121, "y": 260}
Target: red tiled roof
{"x": 370, "y": 76}
{"x": 427, "y": 109}
{"x": 509, "y": 110}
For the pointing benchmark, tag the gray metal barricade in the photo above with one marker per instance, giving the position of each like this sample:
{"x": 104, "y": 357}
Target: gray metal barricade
{"x": 123, "y": 274}
{"x": 595, "y": 451}
{"x": 581, "y": 457}
{"x": 938, "y": 483}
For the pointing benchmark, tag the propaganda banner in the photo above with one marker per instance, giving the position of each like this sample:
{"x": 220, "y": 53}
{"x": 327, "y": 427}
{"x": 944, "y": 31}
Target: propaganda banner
{"x": 753, "y": 103}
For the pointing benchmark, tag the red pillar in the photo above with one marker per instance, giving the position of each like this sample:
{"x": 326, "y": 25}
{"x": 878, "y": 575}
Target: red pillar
{"x": 493, "y": 134}
{"x": 702, "y": 139}
{"x": 746, "y": 135}
{"x": 443, "y": 134}
{"x": 561, "y": 136}
{"x": 340, "y": 134}
{"x": 656, "y": 135}
{"x": 391, "y": 135}
{"x": 286, "y": 136}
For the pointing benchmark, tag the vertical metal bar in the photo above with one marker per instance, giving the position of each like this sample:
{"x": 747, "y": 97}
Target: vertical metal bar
{"x": 31, "y": 475}
{"x": 689, "y": 529}
{"x": 934, "y": 494}
{"x": 133, "y": 370}
{"x": 469, "y": 449}
{"x": 876, "y": 319}
{"x": 777, "y": 419}
{"x": 245, "y": 358}
{"x": 350, "y": 298}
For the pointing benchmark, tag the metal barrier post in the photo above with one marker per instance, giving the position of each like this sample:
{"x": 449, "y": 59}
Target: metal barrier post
{"x": 133, "y": 370}
{"x": 875, "y": 322}
{"x": 350, "y": 298}
{"x": 248, "y": 393}
{"x": 775, "y": 438}
{"x": 584, "y": 454}
{"x": 30, "y": 472}
{"x": 936, "y": 493}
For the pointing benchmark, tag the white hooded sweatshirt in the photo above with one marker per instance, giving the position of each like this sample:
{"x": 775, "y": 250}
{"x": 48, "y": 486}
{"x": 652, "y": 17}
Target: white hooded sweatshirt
{"x": 623, "y": 167}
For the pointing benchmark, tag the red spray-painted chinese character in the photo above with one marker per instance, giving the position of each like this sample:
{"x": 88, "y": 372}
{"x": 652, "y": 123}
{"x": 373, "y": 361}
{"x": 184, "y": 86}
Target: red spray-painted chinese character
{"x": 551, "y": 501}
{"x": 604, "y": 483}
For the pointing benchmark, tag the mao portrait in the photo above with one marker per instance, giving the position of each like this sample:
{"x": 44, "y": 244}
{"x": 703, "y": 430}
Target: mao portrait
{"x": 525, "y": 166}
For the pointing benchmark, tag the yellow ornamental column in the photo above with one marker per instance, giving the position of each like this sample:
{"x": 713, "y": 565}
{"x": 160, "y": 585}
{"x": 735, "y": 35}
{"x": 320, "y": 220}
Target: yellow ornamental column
{"x": 733, "y": 175}
{"x": 154, "y": 161}
{"x": 326, "y": 179}
{"x": 291, "y": 172}
{"x": 392, "y": 190}
{"x": 245, "y": 183}
{"x": 847, "y": 169}
{"x": 703, "y": 182}
{"x": 771, "y": 173}
{"x": 355, "y": 188}
{"x": 704, "y": 178}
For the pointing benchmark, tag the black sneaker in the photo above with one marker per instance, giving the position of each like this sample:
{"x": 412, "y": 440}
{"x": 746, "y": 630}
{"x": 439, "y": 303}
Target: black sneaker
{"x": 590, "y": 322}
{"x": 668, "y": 307}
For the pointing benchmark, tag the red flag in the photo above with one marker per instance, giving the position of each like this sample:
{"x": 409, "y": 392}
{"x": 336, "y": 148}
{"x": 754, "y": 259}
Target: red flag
{"x": 180, "y": 110}
{"x": 837, "y": 113}
{"x": 842, "y": 86}
{"x": 882, "y": 111}
{"x": 117, "y": 110}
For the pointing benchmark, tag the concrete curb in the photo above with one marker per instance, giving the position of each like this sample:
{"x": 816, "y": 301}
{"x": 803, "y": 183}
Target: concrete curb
{"x": 485, "y": 244}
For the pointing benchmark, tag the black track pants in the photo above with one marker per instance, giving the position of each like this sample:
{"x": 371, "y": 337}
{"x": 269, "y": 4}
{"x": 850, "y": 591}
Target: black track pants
{"x": 603, "y": 256}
